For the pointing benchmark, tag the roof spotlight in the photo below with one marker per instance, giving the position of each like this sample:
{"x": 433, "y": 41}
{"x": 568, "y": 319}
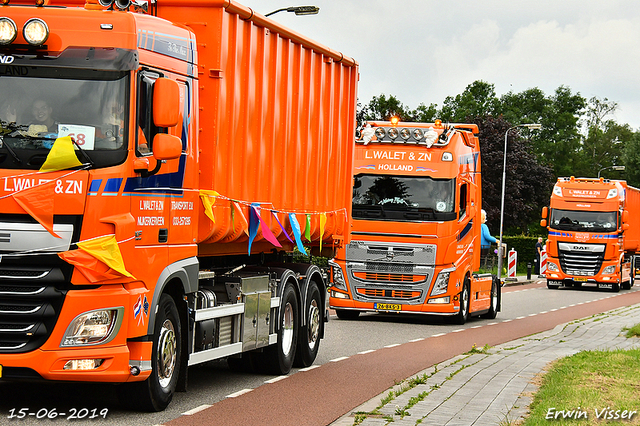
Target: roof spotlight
{"x": 122, "y": 4}
{"x": 105, "y": 3}
{"x": 8, "y": 31}
{"x": 35, "y": 32}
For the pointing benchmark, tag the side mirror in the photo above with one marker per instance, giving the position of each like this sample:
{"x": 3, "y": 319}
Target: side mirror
{"x": 545, "y": 211}
{"x": 543, "y": 223}
{"x": 166, "y": 102}
{"x": 166, "y": 147}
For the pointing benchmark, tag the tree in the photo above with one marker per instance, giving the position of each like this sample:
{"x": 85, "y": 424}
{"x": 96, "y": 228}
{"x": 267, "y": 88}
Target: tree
{"x": 477, "y": 100}
{"x": 631, "y": 159}
{"x": 383, "y": 108}
{"x": 528, "y": 183}
{"x": 557, "y": 144}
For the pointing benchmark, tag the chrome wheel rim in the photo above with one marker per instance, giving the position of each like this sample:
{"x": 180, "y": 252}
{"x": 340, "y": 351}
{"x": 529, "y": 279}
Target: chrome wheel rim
{"x": 287, "y": 329}
{"x": 314, "y": 323}
{"x": 167, "y": 351}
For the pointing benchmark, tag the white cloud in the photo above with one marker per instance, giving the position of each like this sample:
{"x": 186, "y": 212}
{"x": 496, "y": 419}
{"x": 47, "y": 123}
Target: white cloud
{"x": 425, "y": 50}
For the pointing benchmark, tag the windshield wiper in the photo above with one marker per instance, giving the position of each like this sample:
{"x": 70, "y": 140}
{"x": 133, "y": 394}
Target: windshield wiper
{"x": 84, "y": 153}
{"x": 11, "y": 151}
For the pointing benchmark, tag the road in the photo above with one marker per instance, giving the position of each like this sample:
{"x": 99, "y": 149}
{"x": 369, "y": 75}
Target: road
{"x": 357, "y": 360}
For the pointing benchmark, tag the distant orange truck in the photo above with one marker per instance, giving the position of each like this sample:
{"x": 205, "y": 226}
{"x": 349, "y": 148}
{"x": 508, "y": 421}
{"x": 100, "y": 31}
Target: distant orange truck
{"x": 594, "y": 233}
{"x": 159, "y": 163}
{"x": 415, "y": 235}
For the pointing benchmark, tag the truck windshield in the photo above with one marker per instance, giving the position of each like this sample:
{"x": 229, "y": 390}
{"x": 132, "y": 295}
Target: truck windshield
{"x": 403, "y": 198}
{"x": 40, "y": 104}
{"x": 571, "y": 220}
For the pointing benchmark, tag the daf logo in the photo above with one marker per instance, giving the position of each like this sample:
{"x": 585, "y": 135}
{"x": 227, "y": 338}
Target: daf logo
{"x": 6, "y": 59}
{"x": 580, "y": 248}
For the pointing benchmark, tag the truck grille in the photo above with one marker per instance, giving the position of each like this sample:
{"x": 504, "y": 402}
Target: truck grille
{"x": 389, "y": 294}
{"x": 29, "y": 306}
{"x": 393, "y": 272}
{"x": 581, "y": 259}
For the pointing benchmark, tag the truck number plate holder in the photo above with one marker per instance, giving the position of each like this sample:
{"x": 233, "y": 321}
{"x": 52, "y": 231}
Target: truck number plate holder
{"x": 387, "y": 307}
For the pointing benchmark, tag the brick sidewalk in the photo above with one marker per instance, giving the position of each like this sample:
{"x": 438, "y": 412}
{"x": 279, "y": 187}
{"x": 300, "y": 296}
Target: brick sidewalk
{"x": 494, "y": 387}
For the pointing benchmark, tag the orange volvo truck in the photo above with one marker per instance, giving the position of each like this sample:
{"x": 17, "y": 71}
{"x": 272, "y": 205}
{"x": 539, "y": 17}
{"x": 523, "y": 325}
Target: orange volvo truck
{"x": 593, "y": 233}
{"x": 159, "y": 163}
{"x": 416, "y": 225}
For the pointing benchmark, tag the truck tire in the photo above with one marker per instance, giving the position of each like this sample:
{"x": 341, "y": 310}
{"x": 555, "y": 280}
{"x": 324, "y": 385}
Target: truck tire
{"x": 278, "y": 359}
{"x": 344, "y": 314}
{"x": 462, "y": 315}
{"x": 155, "y": 393}
{"x": 496, "y": 295}
{"x": 309, "y": 337}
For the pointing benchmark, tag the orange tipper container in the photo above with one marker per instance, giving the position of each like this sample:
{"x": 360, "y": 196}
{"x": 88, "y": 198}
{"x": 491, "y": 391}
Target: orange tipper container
{"x": 160, "y": 162}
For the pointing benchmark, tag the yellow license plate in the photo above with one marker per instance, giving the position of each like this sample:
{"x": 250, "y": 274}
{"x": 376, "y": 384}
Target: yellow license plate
{"x": 0, "y": 371}
{"x": 387, "y": 307}
{"x": 580, "y": 279}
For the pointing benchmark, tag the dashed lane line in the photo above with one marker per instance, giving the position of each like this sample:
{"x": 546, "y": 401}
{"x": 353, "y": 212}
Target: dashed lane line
{"x": 196, "y": 410}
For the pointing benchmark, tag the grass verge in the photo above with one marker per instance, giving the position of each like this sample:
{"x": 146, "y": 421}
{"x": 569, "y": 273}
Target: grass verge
{"x": 589, "y": 388}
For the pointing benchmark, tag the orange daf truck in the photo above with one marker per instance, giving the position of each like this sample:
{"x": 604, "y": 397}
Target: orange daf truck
{"x": 593, "y": 233}
{"x": 416, "y": 225}
{"x": 159, "y": 163}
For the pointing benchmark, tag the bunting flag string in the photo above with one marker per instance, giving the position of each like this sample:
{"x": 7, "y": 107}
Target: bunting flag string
{"x": 295, "y": 227}
{"x": 98, "y": 259}
{"x": 250, "y": 226}
{"x": 62, "y": 156}
{"x": 106, "y": 250}
{"x": 266, "y": 231}
{"x": 284, "y": 231}
{"x": 323, "y": 222}
{"x": 208, "y": 200}
{"x": 307, "y": 227}
{"x": 38, "y": 203}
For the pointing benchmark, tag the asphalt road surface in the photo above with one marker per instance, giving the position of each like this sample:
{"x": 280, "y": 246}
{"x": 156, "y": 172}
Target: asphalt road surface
{"x": 358, "y": 360}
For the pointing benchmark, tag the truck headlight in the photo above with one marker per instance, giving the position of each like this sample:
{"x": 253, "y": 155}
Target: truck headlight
{"x": 442, "y": 284}
{"x": 609, "y": 269}
{"x": 337, "y": 276}
{"x": 552, "y": 267}
{"x": 93, "y": 328}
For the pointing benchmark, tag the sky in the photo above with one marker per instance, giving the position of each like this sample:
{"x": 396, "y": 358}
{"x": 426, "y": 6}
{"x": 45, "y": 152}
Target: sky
{"x": 422, "y": 51}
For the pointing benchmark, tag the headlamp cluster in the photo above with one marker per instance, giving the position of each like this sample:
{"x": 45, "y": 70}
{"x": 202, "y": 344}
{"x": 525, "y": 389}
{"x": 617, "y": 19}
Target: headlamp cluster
{"x": 35, "y": 31}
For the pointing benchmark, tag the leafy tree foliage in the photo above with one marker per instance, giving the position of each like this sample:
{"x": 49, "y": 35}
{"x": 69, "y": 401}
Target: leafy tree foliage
{"x": 578, "y": 138}
{"x": 528, "y": 183}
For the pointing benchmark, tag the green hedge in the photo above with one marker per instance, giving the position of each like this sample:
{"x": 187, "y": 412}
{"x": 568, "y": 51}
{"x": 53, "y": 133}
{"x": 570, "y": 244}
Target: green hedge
{"x": 526, "y": 248}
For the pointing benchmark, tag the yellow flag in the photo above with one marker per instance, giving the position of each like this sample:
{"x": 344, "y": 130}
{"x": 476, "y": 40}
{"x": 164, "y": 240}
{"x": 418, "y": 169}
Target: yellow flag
{"x": 208, "y": 200}
{"x": 106, "y": 250}
{"x": 62, "y": 156}
{"x": 323, "y": 222}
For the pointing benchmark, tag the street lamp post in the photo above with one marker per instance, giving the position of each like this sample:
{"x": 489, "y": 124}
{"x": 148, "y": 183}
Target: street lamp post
{"x": 298, "y": 10}
{"x": 620, "y": 168}
{"x": 504, "y": 175}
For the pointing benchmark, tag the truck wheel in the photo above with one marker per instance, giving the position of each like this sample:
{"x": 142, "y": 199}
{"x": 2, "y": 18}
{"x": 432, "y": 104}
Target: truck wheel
{"x": 277, "y": 359}
{"x": 344, "y": 314}
{"x": 155, "y": 393}
{"x": 615, "y": 287}
{"x": 462, "y": 316}
{"x": 496, "y": 294}
{"x": 552, "y": 286}
{"x": 309, "y": 337}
